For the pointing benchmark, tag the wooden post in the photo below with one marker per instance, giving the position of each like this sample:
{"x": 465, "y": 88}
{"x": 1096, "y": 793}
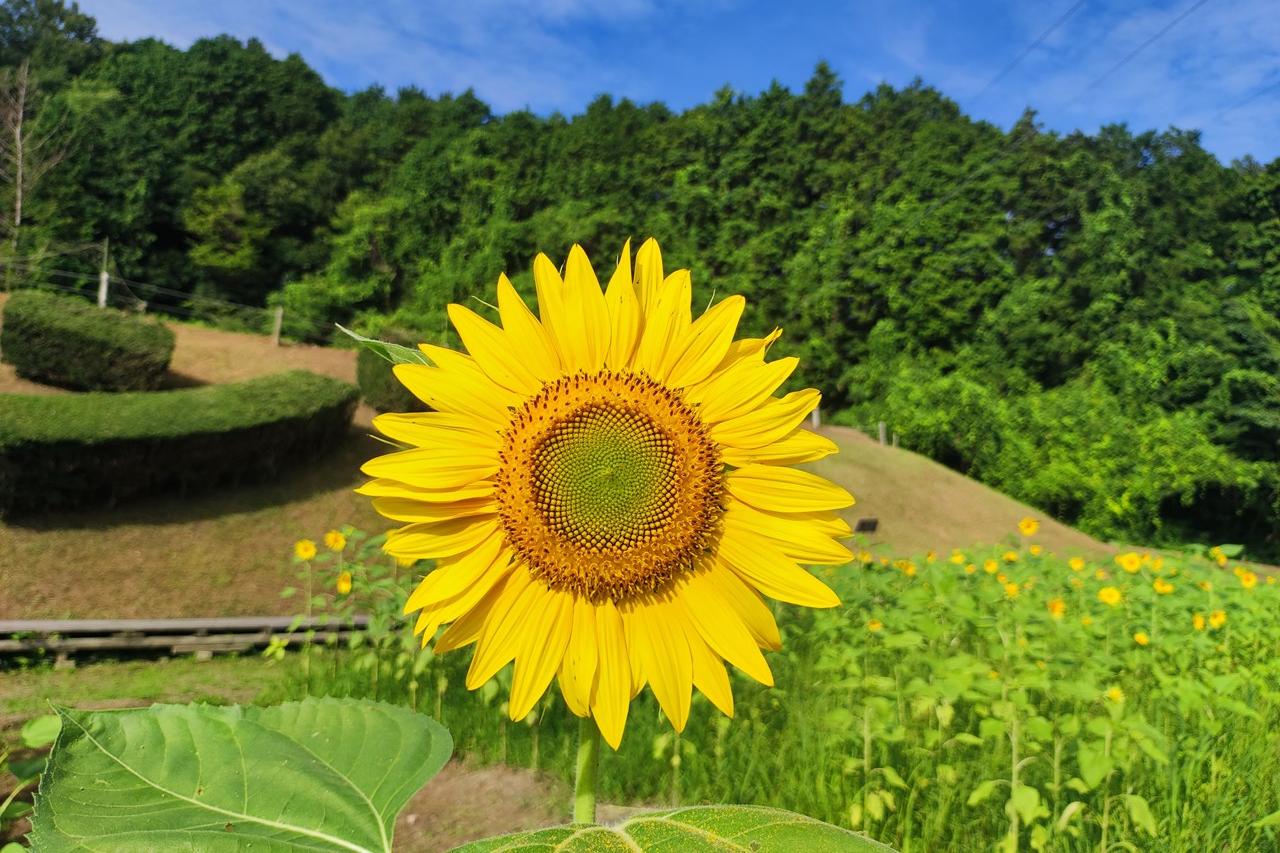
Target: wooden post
{"x": 277, "y": 325}
{"x": 815, "y": 419}
{"x": 104, "y": 278}
{"x": 883, "y": 437}
{"x": 895, "y": 439}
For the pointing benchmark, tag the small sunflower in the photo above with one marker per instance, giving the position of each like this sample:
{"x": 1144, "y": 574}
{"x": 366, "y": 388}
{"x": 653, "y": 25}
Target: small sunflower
{"x": 1130, "y": 562}
{"x": 334, "y": 540}
{"x": 304, "y": 549}
{"x": 1142, "y": 638}
{"x": 1076, "y": 563}
{"x": 607, "y": 493}
{"x": 1217, "y": 619}
{"x": 1197, "y": 621}
{"x": 1110, "y": 596}
{"x": 343, "y": 584}
{"x": 1057, "y": 608}
{"x": 1028, "y": 526}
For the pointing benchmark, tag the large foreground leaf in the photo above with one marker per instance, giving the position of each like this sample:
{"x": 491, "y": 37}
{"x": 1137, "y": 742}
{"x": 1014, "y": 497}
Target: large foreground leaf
{"x": 317, "y": 775}
{"x": 690, "y": 830}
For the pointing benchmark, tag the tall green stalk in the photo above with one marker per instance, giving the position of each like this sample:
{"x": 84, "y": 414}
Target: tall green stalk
{"x": 584, "y": 786}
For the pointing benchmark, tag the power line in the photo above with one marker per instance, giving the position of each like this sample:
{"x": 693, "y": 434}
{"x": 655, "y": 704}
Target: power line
{"x": 1007, "y": 149}
{"x": 1140, "y": 48}
{"x": 1039, "y": 40}
{"x": 1258, "y": 94}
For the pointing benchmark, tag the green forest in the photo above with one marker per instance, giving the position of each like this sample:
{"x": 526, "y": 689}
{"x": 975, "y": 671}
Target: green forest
{"x": 1087, "y": 322}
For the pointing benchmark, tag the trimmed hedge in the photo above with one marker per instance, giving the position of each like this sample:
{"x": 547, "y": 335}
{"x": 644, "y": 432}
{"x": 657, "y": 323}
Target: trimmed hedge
{"x": 378, "y": 385}
{"x": 65, "y": 341}
{"x": 75, "y": 450}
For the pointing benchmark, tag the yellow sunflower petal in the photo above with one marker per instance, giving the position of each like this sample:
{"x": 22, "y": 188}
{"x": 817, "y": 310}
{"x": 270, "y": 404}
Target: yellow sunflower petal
{"x": 624, "y": 313}
{"x": 648, "y": 276}
{"x": 800, "y": 446}
{"x": 761, "y": 564}
{"x": 493, "y": 351}
{"x": 528, "y": 337}
{"x": 452, "y": 577}
{"x": 611, "y": 696}
{"x": 740, "y": 389}
{"x": 749, "y": 606}
{"x": 663, "y": 652}
{"x": 441, "y": 539}
{"x": 796, "y": 538}
{"x": 769, "y": 423}
{"x": 437, "y": 429}
{"x": 391, "y": 488}
{"x": 408, "y": 509}
{"x": 706, "y": 342}
{"x": 460, "y": 606}
{"x": 468, "y": 625}
{"x": 710, "y": 677}
{"x": 562, "y": 316}
{"x": 748, "y": 349}
{"x": 717, "y": 623}
{"x": 667, "y": 323}
{"x": 501, "y": 636}
{"x": 430, "y": 468}
{"x": 779, "y": 489}
{"x": 578, "y": 671}
{"x": 585, "y": 308}
{"x": 458, "y": 390}
{"x": 542, "y": 648}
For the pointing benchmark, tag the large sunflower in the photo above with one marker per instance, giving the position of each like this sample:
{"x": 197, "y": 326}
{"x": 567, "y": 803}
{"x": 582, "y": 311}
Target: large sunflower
{"x": 606, "y": 494}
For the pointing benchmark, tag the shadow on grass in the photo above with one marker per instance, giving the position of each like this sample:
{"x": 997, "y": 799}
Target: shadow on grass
{"x": 336, "y": 469}
{"x": 174, "y": 380}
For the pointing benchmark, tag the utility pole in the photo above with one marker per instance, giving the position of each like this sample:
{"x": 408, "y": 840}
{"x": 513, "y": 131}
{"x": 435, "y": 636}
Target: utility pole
{"x": 104, "y": 277}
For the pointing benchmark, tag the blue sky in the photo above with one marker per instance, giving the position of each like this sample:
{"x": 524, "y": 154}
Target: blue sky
{"x": 1218, "y": 69}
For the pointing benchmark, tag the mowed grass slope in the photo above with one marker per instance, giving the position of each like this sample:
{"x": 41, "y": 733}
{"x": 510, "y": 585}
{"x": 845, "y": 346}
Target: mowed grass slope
{"x": 227, "y": 552}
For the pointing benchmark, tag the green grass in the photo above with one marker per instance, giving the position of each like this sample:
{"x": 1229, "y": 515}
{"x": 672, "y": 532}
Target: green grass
{"x": 27, "y": 692}
{"x": 917, "y": 732}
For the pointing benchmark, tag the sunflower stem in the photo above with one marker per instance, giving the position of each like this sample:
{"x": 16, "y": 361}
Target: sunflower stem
{"x": 584, "y": 786}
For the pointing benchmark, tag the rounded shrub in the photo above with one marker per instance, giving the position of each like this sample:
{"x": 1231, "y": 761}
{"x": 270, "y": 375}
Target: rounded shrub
{"x": 378, "y": 385}
{"x": 71, "y": 450}
{"x": 65, "y": 341}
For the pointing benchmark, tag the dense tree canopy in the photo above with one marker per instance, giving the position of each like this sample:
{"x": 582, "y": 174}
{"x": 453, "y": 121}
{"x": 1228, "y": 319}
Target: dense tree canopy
{"x": 1088, "y": 322}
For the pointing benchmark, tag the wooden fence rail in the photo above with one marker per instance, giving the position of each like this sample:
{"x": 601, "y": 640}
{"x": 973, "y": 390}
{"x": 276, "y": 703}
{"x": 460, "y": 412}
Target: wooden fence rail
{"x": 64, "y": 637}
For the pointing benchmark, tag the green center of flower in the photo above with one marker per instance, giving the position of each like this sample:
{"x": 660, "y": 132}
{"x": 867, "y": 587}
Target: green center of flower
{"x": 603, "y": 478}
{"x": 610, "y": 486}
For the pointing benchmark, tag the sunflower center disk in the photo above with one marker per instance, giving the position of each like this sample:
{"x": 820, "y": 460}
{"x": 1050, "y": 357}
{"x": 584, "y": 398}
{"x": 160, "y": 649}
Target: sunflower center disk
{"x": 609, "y": 486}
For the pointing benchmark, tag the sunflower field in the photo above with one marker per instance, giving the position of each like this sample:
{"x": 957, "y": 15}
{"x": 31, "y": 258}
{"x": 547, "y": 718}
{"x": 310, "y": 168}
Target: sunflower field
{"x": 1001, "y": 698}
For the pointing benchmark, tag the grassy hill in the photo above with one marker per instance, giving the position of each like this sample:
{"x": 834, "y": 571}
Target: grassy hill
{"x": 227, "y": 552}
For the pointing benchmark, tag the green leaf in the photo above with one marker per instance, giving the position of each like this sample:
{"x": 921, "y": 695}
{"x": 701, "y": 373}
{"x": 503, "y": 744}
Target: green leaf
{"x": 40, "y": 731}
{"x": 1094, "y": 764}
{"x": 13, "y": 847}
{"x": 1140, "y": 813}
{"x": 982, "y": 792}
{"x": 321, "y": 775}
{"x": 1026, "y": 801}
{"x": 27, "y": 768}
{"x": 697, "y": 829}
{"x": 1272, "y": 819}
{"x": 394, "y": 353}
{"x": 891, "y": 776}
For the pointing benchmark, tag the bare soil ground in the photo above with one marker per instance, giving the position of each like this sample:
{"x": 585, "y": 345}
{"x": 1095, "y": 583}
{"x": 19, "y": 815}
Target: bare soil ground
{"x": 921, "y": 505}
